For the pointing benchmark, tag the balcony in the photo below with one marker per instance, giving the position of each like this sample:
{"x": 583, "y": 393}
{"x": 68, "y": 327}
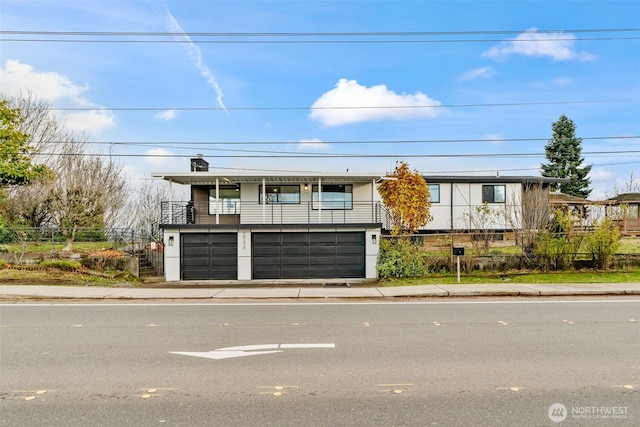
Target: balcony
{"x": 241, "y": 213}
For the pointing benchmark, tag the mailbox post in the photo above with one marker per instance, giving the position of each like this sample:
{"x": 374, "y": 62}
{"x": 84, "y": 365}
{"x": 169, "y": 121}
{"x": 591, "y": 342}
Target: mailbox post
{"x": 458, "y": 252}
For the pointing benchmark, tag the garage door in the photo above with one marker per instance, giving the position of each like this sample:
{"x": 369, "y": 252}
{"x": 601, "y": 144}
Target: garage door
{"x": 323, "y": 255}
{"x": 209, "y": 256}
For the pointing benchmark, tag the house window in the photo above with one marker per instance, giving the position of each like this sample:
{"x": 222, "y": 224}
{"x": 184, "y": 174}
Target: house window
{"x": 434, "y": 193}
{"x": 279, "y": 194}
{"x": 493, "y": 194}
{"x": 334, "y": 196}
{"x": 229, "y": 196}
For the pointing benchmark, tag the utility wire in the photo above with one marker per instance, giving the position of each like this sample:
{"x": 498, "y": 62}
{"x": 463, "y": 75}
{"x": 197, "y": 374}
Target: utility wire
{"x": 237, "y": 42}
{"x": 310, "y": 34}
{"x": 354, "y": 107}
{"x": 359, "y": 142}
{"x": 294, "y": 37}
{"x": 325, "y": 155}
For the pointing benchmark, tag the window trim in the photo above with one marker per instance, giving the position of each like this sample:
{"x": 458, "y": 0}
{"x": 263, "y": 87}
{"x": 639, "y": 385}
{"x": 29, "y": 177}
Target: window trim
{"x": 213, "y": 202}
{"x": 279, "y": 202}
{"x": 493, "y": 193}
{"x": 431, "y": 194}
{"x": 320, "y": 204}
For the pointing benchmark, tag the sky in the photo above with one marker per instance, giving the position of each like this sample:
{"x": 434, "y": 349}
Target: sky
{"x": 449, "y": 87}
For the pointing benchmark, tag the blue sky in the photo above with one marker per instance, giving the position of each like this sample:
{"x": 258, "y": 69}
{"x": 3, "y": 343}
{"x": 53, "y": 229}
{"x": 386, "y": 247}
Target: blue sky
{"x": 497, "y": 77}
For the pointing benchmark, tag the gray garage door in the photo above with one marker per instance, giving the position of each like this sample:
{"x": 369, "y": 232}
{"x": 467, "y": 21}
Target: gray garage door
{"x": 323, "y": 255}
{"x": 209, "y": 256}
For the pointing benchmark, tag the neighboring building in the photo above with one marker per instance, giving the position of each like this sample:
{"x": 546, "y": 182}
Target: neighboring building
{"x": 239, "y": 226}
{"x": 454, "y": 200}
{"x": 626, "y": 209}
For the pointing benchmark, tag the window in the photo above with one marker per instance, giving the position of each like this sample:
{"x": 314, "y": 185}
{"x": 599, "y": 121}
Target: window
{"x": 493, "y": 194}
{"x": 281, "y": 194}
{"x": 333, "y": 197}
{"x": 226, "y": 204}
{"x": 434, "y": 193}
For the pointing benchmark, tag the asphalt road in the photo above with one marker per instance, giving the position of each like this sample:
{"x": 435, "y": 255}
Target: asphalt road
{"x": 439, "y": 363}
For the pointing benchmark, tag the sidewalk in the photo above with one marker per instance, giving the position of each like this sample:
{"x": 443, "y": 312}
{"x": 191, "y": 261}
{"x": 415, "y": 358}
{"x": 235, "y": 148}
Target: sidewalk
{"x": 9, "y": 292}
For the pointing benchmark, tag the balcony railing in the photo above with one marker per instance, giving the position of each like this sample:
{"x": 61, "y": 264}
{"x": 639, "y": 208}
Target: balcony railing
{"x": 238, "y": 213}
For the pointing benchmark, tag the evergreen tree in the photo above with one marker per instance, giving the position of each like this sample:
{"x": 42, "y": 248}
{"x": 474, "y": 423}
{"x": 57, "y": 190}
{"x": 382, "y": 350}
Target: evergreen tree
{"x": 564, "y": 155}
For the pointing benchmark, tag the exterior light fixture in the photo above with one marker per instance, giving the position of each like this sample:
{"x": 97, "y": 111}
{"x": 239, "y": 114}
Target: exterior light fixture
{"x": 374, "y": 239}
{"x": 170, "y": 240}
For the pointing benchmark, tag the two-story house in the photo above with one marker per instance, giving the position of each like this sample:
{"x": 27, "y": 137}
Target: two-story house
{"x": 246, "y": 226}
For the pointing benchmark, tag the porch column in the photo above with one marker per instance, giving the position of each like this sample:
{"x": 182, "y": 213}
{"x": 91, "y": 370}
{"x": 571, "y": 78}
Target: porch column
{"x": 264, "y": 201}
{"x": 170, "y": 201}
{"x": 217, "y": 200}
{"x": 319, "y": 200}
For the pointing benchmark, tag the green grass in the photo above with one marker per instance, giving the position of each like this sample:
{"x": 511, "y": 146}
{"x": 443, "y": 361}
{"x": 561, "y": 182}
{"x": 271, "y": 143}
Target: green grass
{"x": 631, "y": 276}
{"x": 58, "y": 247}
{"x": 9, "y": 276}
{"x": 628, "y": 245}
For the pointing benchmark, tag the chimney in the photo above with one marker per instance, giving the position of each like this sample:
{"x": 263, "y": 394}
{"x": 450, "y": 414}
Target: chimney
{"x": 198, "y": 164}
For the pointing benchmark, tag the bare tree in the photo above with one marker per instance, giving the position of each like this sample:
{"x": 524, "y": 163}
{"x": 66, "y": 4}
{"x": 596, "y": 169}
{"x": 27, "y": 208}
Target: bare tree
{"x": 482, "y": 220}
{"x": 47, "y": 133}
{"x": 88, "y": 192}
{"x": 143, "y": 209}
{"x": 530, "y": 216}
{"x": 631, "y": 186}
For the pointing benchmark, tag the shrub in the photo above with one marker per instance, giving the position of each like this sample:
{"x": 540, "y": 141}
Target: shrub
{"x": 603, "y": 242}
{"x": 91, "y": 236}
{"x": 399, "y": 257}
{"x": 61, "y": 264}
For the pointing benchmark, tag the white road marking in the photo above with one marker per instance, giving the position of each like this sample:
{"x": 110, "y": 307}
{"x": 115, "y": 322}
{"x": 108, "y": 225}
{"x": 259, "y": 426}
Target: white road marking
{"x": 248, "y": 350}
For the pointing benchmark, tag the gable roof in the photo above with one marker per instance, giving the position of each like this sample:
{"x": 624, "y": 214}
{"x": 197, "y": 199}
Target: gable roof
{"x": 568, "y": 199}
{"x": 626, "y": 198}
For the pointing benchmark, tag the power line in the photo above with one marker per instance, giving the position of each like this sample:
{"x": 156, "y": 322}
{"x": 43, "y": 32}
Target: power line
{"x": 303, "y": 37}
{"x": 325, "y": 155}
{"x": 310, "y": 34}
{"x": 359, "y": 142}
{"x": 238, "y": 42}
{"x": 362, "y": 107}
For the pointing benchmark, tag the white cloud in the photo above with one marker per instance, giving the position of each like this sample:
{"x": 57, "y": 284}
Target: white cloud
{"x": 167, "y": 115}
{"x": 196, "y": 56}
{"x": 49, "y": 86}
{"x": 92, "y": 121}
{"x": 159, "y": 157}
{"x": 558, "y": 45}
{"x": 313, "y": 144}
{"x": 478, "y": 73}
{"x": 55, "y": 88}
{"x": 600, "y": 174}
{"x": 339, "y": 106}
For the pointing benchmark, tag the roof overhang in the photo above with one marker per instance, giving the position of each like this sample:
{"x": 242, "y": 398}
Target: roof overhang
{"x": 526, "y": 180}
{"x": 208, "y": 178}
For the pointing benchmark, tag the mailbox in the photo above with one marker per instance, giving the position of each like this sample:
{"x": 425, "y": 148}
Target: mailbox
{"x": 458, "y": 251}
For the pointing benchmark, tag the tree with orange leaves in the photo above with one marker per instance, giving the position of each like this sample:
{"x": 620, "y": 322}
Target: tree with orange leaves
{"x": 405, "y": 193}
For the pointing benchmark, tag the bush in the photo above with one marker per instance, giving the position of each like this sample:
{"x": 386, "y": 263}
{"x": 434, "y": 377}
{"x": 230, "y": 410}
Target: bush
{"x": 399, "y": 257}
{"x": 61, "y": 264}
{"x": 91, "y": 236}
{"x": 603, "y": 242}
